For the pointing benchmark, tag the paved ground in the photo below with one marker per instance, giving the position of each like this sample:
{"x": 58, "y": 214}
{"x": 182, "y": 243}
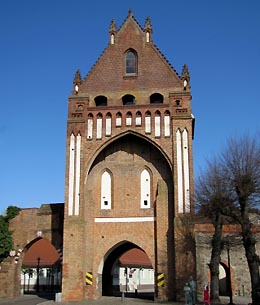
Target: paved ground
{"x": 25, "y": 300}
{"x": 116, "y": 301}
{"x": 135, "y": 301}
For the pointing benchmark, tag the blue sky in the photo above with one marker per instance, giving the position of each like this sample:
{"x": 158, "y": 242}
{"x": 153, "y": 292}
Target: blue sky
{"x": 43, "y": 43}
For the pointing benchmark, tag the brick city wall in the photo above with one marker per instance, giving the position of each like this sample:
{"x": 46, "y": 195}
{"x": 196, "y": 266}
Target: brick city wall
{"x": 48, "y": 219}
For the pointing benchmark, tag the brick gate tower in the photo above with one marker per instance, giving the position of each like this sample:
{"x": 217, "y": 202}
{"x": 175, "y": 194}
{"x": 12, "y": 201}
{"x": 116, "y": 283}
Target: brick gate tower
{"x": 129, "y": 167}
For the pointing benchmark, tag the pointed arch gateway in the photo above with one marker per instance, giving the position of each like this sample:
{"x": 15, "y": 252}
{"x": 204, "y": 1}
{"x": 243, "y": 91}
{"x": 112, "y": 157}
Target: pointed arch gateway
{"x": 137, "y": 177}
{"x": 127, "y": 268}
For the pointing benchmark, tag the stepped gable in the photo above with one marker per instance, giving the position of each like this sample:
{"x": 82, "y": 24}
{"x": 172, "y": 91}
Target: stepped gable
{"x": 108, "y": 73}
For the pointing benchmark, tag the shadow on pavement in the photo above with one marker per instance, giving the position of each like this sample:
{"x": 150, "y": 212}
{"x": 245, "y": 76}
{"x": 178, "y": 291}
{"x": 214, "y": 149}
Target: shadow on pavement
{"x": 42, "y": 295}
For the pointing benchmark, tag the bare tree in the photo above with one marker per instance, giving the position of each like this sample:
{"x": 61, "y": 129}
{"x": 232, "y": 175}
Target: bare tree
{"x": 241, "y": 163}
{"x": 212, "y": 199}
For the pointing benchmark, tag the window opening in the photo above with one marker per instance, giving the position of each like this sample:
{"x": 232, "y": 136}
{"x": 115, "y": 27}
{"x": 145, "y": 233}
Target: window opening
{"x": 130, "y": 63}
{"x": 148, "y": 122}
{"x": 138, "y": 118}
{"x": 128, "y": 99}
{"x": 128, "y": 118}
{"x": 157, "y": 124}
{"x": 178, "y": 103}
{"x": 118, "y": 119}
{"x": 106, "y": 185}
{"x": 99, "y": 125}
{"x": 145, "y": 189}
{"x": 156, "y": 98}
{"x": 90, "y": 126}
{"x": 108, "y": 124}
{"x": 100, "y": 100}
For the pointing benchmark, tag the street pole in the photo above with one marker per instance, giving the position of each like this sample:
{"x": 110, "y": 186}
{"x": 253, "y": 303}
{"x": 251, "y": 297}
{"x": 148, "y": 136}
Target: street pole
{"x": 126, "y": 280}
{"x": 38, "y": 274}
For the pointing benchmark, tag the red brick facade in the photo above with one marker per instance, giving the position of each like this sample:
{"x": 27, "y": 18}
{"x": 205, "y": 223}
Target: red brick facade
{"x": 144, "y": 137}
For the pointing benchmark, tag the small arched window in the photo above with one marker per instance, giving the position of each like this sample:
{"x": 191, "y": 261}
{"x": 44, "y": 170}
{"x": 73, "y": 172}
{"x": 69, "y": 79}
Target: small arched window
{"x": 145, "y": 189}
{"x": 90, "y": 126}
{"x": 128, "y": 99}
{"x": 138, "y": 118}
{"x": 108, "y": 124}
{"x": 167, "y": 123}
{"x": 128, "y": 118}
{"x": 106, "y": 185}
{"x": 148, "y": 126}
{"x": 131, "y": 63}
{"x": 156, "y": 98}
{"x": 99, "y": 125}
{"x": 118, "y": 119}
{"x": 157, "y": 124}
{"x": 100, "y": 100}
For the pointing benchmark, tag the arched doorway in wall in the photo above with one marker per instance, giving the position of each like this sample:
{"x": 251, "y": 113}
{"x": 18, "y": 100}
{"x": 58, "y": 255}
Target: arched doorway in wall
{"x": 128, "y": 270}
{"x": 41, "y": 267}
{"x": 224, "y": 280}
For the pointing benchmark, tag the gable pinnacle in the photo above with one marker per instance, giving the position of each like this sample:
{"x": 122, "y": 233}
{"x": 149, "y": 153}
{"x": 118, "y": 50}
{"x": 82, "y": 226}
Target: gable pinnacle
{"x": 185, "y": 77}
{"x": 130, "y": 13}
{"x": 148, "y": 25}
{"x": 76, "y": 82}
{"x": 112, "y": 29}
{"x": 148, "y": 29}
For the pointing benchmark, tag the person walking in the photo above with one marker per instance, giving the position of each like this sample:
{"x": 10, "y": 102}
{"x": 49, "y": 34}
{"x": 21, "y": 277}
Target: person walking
{"x": 187, "y": 294}
{"x": 206, "y": 295}
{"x": 192, "y": 285}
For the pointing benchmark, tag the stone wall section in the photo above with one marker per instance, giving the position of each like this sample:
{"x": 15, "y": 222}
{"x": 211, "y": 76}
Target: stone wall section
{"x": 240, "y": 276}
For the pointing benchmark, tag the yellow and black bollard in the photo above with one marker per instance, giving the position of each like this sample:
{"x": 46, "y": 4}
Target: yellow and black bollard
{"x": 89, "y": 278}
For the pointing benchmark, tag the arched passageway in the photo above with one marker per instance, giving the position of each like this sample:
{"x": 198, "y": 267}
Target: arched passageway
{"x": 128, "y": 270}
{"x": 41, "y": 267}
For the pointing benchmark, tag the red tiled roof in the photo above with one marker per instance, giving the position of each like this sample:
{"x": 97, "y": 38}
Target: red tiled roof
{"x": 41, "y": 253}
{"x": 135, "y": 258}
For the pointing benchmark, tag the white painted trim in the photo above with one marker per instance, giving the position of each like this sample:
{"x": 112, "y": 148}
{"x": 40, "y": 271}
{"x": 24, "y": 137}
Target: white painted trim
{"x": 90, "y": 129}
{"x": 157, "y": 126}
{"x": 99, "y": 128}
{"x": 108, "y": 127}
{"x": 167, "y": 131}
{"x": 106, "y": 190}
{"x": 145, "y": 189}
{"x": 77, "y": 175}
{"x": 186, "y": 170}
{"x": 124, "y": 219}
{"x": 128, "y": 121}
{"x": 71, "y": 175}
{"x": 138, "y": 121}
{"x": 118, "y": 121}
{"x": 147, "y": 124}
{"x": 179, "y": 172}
